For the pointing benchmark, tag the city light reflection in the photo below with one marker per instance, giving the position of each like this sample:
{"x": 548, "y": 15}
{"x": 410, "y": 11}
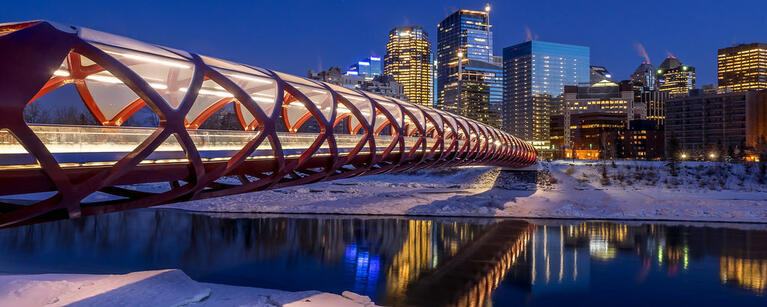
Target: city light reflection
{"x": 396, "y": 261}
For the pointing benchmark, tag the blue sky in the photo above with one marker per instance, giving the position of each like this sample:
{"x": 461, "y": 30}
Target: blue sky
{"x": 294, "y": 36}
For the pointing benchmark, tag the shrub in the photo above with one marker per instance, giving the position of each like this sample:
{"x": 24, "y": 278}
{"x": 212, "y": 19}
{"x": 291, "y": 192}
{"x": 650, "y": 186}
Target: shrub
{"x": 570, "y": 170}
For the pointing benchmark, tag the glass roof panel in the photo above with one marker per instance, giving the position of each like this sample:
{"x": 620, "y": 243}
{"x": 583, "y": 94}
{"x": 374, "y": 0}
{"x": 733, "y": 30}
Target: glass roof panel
{"x": 170, "y": 77}
{"x": 124, "y": 42}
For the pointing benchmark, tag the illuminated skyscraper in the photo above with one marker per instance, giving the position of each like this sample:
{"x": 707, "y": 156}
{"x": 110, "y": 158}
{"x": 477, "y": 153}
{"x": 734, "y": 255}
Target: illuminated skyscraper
{"x": 675, "y": 78}
{"x": 599, "y": 74}
{"x": 644, "y": 83}
{"x": 743, "y": 67}
{"x": 644, "y": 75}
{"x": 408, "y": 59}
{"x": 535, "y": 77}
{"x": 468, "y": 81}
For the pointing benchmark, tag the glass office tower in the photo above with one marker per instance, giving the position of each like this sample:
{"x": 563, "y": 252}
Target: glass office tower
{"x": 468, "y": 82}
{"x": 409, "y": 60}
{"x": 535, "y": 76}
{"x": 369, "y": 68}
{"x": 743, "y": 67}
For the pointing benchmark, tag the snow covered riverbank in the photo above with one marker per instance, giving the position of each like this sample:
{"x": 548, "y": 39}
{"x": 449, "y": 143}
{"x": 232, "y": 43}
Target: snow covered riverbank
{"x": 153, "y": 288}
{"x": 584, "y": 190}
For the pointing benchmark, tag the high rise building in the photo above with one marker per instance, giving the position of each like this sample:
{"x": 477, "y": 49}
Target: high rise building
{"x": 644, "y": 75}
{"x": 468, "y": 81}
{"x": 434, "y": 76}
{"x": 644, "y": 83}
{"x": 655, "y": 101}
{"x": 368, "y": 68}
{"x": 599, "y": 74}
{"x": 409, "y": 60}
{"x": 743, "y": 67}
{"x": 675, "y": 78}
{"x": 535, "y": 75}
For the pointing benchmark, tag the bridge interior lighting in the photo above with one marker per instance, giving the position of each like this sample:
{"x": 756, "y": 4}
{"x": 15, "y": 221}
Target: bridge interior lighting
{"x": 209, "y": 92}
{"x": 61, "y": 73}
{"x": 159, "y": 86}
{"x": 105, "y": 79}
{"x": 355, "y": 98}
{"x": 151, "y": 60}
{"x": 270, "y": 95}
{"x": 242, "y": 77}
{"x": 113, "y": 80}
{"x": 262, "y": 99}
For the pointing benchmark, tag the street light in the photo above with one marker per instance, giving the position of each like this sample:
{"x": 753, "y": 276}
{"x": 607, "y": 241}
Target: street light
{"x": 684, "y": 156}
{"x": 712, "y": 156}
{"x": 487, "y": 7}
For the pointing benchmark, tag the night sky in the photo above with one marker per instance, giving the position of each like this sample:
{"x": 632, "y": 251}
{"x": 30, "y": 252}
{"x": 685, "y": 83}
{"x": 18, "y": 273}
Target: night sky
{"x": 294, "y": 36}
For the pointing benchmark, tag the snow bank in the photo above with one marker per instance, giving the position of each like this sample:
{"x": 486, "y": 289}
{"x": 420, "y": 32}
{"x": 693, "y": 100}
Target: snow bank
{"x": 153, "y": 288}
{"x": 630, "y": 190}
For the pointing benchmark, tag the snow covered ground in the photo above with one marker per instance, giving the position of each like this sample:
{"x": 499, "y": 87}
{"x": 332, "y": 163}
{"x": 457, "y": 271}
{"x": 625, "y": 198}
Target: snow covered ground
{"x": 153, "y": 288}
{"x": 630, "y": 190}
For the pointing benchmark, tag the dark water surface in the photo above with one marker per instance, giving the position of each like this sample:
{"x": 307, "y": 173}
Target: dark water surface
{"x": 415, "y": 261}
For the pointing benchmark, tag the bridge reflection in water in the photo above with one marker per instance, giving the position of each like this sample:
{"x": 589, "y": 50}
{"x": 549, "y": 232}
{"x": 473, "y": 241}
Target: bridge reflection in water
{"x": 402, "y": 261}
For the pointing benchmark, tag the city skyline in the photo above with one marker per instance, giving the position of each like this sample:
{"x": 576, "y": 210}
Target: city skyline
{"x": 613, "y": 41}
{"x": 230, "y": 154}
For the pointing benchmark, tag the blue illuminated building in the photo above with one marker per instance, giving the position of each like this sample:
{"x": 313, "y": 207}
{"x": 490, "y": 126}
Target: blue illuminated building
{"x": 369, "y": 68}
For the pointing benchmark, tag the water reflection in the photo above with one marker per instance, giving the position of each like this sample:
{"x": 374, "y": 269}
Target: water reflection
{"x": 412, "y": 261}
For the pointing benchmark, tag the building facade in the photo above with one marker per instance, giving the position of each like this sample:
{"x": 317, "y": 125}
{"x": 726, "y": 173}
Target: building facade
{"x": 675, "y": 78}
{"x": 468, "y": 81}
{"x": 335, "y": 76}
{"x": 644, "y": 83}
{"x": 655, "y": 102}
{"x": 408, "y": 60}
{"x": 382, "y": 84}
{"x": 644, "y": 140}
{"x": 721, "y": 124}
{"x": 743, "y": 67}
{"x": 592, "y": 135}
{"x": 368, "y": 68}
{"x": 535, "y": 74}
{"x": 598, "y": 74}
{"x": 603, "y": 97}
{"x": 644, "y": 76}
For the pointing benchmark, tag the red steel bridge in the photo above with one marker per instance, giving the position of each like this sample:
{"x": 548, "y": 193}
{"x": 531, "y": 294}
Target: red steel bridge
{"x": 291, "y": 130}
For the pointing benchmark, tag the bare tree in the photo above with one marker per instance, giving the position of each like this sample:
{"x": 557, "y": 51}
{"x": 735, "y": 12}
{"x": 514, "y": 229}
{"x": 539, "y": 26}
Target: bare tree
{"x": 33, "y": 113}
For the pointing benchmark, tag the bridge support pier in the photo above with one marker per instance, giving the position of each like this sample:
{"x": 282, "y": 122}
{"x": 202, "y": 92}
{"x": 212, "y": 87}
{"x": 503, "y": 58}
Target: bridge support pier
{"x": 518, "y": 179}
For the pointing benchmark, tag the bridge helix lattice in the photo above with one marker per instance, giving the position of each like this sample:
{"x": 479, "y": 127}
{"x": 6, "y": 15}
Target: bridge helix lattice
{"x": 290, "y": 130}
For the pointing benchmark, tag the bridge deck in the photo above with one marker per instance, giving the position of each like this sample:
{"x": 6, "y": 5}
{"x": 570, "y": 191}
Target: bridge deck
{"x": 79, "y": 146}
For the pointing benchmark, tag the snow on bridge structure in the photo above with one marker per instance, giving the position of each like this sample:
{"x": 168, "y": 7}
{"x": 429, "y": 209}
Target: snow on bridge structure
{"x": 290, "y": 130}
